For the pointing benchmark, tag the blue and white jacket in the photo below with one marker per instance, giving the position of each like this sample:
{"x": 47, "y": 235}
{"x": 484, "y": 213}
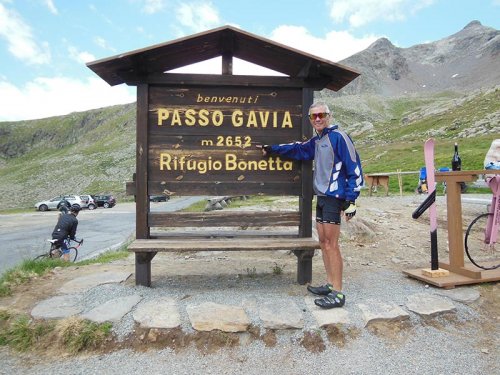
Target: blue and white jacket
{"x": 337, "y": 167}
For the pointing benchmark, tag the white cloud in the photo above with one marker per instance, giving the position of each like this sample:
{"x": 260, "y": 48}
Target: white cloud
{"x": 51, "y": 6}
{"x": 20, "y": 40}
{"x": 101, "y": 42}
{"x": 45, "y": 97}
{"x": 153, "y": 6}
{"x": 334, "y": 46}
{"x": 198, "y": 16}
{"x": 361, "y": 12}
{"x": 80, "y": 56}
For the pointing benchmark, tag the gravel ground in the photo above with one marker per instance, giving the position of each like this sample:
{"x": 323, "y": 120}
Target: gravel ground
{"x": 463, "y": 342}
{"x": 439, "y": 345}
{"x": 423, "y": 351}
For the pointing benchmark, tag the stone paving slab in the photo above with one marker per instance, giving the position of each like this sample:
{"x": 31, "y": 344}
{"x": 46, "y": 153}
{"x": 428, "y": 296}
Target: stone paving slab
{"x": 281, "y": 316}
{"x": 429, "y": 304}
{"x": 160, "y": 313}
{"x": 464, "y": 295}
{"x": 211, "y": 316}
{"x": 82, "y": 283}
{"x": 58, "y": 307}
{"x": 326, "y": 317}
{"x": 376, "y": 311}
{"x": 113, "y": 310}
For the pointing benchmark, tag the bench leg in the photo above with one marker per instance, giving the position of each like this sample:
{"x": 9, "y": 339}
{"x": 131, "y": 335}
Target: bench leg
{"x": 143, "y": 268}
{"x": 304, "y": 266}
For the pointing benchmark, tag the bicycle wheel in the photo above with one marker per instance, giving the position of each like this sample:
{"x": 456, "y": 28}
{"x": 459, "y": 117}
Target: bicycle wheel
{"x": 42, "y": 256}
{"x": 53, "y": 253}
{"x": 73, "y": 253}
{"x": 479, "y": 252}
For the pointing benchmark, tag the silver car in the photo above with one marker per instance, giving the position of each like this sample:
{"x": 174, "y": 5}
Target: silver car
{"x": 53, "y": 204}
{"x": 88, "y": 202}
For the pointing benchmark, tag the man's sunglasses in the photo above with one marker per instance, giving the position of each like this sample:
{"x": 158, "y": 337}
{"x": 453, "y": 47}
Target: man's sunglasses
{"x": 321, "y": 116}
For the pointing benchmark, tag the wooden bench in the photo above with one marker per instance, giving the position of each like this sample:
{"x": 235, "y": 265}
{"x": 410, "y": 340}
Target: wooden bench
{"x": 202, "y": 240}
{"x": 145, "y": 250}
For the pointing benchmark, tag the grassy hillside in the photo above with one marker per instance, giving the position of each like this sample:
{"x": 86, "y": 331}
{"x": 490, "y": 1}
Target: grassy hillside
{"x": 403, "y": 124}
{"x": 94, "y": 151}
{"x": 89, "y": 152}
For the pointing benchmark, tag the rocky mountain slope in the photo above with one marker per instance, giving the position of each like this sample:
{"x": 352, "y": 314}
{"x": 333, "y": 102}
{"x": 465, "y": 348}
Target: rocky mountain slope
{"x": 466, "y": 60}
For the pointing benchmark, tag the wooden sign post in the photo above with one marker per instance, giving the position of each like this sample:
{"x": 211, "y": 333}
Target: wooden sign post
{"x": 196, "y": 134}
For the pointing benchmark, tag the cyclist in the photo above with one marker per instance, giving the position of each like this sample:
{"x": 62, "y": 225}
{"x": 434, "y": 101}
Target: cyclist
{"x": 66, "y": 228}
{"x": 63, "y": 206}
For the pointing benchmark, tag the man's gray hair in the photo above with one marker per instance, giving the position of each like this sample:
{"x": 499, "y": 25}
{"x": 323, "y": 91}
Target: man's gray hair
{"x": 320, "y": 104}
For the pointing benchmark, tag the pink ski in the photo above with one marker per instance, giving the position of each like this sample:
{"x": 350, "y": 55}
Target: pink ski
{"x": 431, "y": 183}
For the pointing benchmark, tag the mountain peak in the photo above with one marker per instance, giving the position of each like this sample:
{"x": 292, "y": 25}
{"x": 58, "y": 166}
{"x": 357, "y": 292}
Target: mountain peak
{"x": 473, "y": 24}
{"x": 381, "y": 43}
{"x": 463, "y": 61}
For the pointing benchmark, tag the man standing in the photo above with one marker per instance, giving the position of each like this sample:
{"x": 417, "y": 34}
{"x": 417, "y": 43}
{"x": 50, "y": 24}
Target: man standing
{"x": 337, "y": 181}
{"x": 66, "y": 228}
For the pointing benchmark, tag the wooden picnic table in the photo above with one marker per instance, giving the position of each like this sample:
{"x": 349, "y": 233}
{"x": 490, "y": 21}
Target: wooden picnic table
{"x": 382, "y": 179}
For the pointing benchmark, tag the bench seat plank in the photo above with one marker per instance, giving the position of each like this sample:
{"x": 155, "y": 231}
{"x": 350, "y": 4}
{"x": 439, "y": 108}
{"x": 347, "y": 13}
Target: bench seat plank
{"x": 226, "y": 244}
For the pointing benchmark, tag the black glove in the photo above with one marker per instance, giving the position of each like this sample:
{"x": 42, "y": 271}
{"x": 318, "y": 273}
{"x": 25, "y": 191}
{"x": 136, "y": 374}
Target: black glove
{"x": 349, "y": 208}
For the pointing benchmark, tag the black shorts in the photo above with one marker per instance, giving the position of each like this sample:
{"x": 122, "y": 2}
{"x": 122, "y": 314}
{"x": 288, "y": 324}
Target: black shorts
{"x": 328, "y": 210}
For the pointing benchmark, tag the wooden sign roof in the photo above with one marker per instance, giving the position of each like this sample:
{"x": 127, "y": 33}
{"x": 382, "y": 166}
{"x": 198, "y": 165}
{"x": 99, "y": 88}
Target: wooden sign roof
{"x": 134, "y": 67}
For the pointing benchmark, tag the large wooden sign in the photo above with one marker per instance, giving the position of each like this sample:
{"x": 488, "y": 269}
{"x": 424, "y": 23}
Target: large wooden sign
{"x": 201, "y": 139}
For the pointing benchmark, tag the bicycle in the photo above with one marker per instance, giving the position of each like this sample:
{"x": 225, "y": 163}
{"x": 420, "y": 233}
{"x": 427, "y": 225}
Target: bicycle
{"x": 55, "y": 251}
{"x": 482, "y": 232}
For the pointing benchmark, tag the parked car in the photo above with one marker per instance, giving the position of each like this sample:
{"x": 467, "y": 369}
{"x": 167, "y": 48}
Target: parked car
{"x": 159, "y": 198}
{"x": 76, "y": 200}
{"x": 89, "y": 201}
{"x": 53, "y": 204}
{"x": 106, "y": 201}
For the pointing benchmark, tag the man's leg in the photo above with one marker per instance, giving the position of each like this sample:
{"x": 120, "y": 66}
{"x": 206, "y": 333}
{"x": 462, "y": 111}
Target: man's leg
{"x": 324, "y": 252}
{"x": 332, "y": 259}
{"x": 333, "y": 266}
{"x": 328, "y": 226}
{"x": 65, "y": 251}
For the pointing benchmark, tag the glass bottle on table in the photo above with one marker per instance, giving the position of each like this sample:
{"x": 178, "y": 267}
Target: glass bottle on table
{"x": 456, "y": 161}
{"x": 456, "y": 165}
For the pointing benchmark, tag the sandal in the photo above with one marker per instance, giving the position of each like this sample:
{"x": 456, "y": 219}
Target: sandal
{"x": 333, "y": 299}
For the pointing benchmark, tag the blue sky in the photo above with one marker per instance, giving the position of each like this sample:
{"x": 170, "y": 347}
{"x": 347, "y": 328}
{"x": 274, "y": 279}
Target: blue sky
{"x": 44, "y": 44}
